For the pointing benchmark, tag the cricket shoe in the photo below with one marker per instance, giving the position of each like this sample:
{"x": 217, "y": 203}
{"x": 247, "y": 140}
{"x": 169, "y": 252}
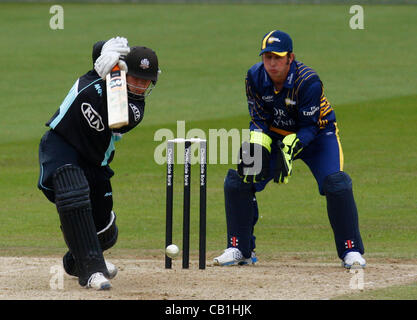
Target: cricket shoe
{"x": 353, "y": 260}
{"x": 98, "y": 281}
{"x": 233, "y": 256}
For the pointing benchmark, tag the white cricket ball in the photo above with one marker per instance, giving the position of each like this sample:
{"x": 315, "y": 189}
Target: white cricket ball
{"x": 172, "y": 251}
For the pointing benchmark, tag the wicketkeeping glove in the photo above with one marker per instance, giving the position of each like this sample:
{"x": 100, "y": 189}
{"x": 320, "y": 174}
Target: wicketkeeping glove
{"x": 111, "y": 53}
{"x": 254, "y": 158}
{"x": 289, "y": 147}
{"x": 292, "y": 145}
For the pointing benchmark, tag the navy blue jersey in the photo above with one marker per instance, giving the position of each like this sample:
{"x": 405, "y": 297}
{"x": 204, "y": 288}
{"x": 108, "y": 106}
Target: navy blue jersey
{"x": 83, "y": 122}
{"x": 300, "y": 107}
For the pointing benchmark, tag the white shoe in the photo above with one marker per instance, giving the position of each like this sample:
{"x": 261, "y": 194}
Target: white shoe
{"x": 232, "y": 256}
{"x": 353, "y": 259}
{"x": 112, "y": 269}
{"x": 98, "y": 281}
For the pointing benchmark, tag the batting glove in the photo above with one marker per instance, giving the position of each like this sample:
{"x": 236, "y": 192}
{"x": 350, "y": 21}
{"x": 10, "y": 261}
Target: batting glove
{"x": 118, "y": 44}
{"x": 113, "y": 52}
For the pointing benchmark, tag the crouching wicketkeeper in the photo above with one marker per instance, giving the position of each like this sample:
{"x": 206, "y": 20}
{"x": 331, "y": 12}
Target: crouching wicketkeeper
{"x": 291, "y": 119}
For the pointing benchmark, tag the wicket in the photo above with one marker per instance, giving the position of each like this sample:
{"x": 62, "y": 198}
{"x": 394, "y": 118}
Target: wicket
{"x": 186, "y": 203}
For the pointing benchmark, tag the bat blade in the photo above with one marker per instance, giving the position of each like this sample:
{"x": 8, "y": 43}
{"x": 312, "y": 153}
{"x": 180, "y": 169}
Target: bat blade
{"x": 117, "y": 108}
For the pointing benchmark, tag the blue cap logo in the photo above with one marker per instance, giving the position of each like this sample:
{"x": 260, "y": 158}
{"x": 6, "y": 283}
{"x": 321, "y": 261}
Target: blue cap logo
{"x": 277, "y": 42}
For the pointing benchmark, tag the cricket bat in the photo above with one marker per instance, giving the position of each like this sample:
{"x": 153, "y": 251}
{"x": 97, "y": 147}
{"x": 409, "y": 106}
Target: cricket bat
{"x": 118, "y": 114}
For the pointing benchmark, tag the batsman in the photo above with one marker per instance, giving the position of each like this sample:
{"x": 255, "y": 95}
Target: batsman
{"x": 75, "y": 153}
{"x": 291, "y": 119}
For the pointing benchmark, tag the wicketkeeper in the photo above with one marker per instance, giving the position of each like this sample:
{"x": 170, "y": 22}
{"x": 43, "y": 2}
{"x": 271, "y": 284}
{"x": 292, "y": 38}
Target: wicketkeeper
{"x": 75, "y": 153}
{"x": 291, "y": 119}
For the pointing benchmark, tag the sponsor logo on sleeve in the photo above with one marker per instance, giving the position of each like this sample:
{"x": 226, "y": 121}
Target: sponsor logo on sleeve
{"x": 312, "y": 111}
{"x": 136, "y": 111}
{"x": 98, "y": 89}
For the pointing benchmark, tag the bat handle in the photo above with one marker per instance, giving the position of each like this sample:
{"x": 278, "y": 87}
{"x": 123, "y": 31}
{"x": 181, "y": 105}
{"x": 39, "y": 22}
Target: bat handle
{"x": 116, "y": 67}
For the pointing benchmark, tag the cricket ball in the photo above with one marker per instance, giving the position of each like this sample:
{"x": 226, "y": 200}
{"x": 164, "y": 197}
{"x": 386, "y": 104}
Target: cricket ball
{"x": 172, "y": 251}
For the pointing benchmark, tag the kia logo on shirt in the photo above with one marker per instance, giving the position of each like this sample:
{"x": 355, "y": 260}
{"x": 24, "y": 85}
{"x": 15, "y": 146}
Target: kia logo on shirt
{"x": 93, "y": 118}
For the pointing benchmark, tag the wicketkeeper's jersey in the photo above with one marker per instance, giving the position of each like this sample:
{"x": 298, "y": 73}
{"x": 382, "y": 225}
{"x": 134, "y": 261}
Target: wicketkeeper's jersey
{"x": 82, "y": 119}
{"x": 300, "y": 107}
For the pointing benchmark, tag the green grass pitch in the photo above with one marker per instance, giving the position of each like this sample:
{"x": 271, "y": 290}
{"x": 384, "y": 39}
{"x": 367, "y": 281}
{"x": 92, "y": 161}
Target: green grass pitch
{"x": 204, "y": 52}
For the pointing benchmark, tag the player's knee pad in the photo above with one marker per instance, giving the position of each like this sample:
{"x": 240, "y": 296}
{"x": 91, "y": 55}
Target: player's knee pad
{"x": 234, "y": 181}
{"x": 236, "y": 192}
{"x": 336, "y": 183}
{"x": 71, "y": 189}
{"x": 108, "y": 236}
